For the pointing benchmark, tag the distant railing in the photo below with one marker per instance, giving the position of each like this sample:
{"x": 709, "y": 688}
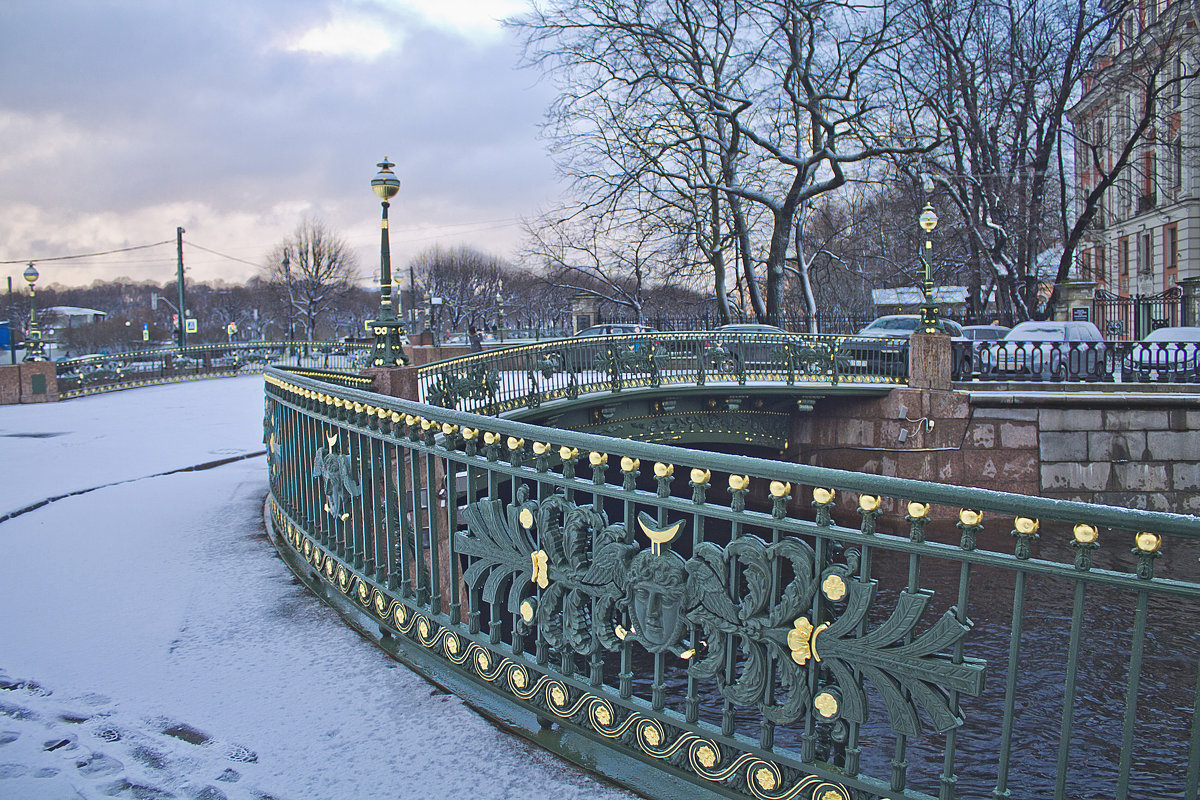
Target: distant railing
{"x": 529, "y": 375}
{"x": 1059, "y": 362}
{"x": 708, "y": 625}
{"x": 100, "y": 373}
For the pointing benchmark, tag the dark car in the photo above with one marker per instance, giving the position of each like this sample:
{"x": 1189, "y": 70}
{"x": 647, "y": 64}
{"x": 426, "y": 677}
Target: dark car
{"x": 1051, "y": 350}
{"x": 592, "y": 347}
{"x": 885, "y": 350}
{"x": 741, "y": 346}
{"x": 1169, "y": 355}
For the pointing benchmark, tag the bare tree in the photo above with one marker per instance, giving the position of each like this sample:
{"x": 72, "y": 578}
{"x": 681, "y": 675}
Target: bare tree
{"x": 467, "y": 280}
{"x": 729, "y": 116}
{"x": 1000, "y": 76}
{"x": 613, "y": 260}
{"x": 311, "y": 270}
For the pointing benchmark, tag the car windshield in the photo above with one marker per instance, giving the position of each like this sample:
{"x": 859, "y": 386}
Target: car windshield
{"x": 894, "y": 324}
{"x": 749, "y": 329}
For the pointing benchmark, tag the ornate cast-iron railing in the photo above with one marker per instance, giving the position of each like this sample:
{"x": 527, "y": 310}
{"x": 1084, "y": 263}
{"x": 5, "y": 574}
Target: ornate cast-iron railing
{"x": 102, "y": 373}
{"x": 707, "y": 625}
{"x": 529, "y": 375}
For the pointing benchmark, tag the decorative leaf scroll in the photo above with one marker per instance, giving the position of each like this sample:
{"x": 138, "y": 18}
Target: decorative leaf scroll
{"x": 907, "y": 676}
{"x": 804, "y": 358}
{"x": 503, "y": 551}
{"x": 591, "y": 579}
{"x": 339, "y": 481}
{"x": 478, "y": 382}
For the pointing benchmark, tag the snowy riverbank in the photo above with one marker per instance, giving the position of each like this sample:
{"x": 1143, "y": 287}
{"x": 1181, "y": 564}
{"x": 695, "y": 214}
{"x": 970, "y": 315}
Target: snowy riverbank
{"x": 153, "y": 646}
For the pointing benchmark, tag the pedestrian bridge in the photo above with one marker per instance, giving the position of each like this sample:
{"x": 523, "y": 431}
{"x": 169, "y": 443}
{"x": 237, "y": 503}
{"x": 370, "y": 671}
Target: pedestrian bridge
{"x": 705, "y": 624}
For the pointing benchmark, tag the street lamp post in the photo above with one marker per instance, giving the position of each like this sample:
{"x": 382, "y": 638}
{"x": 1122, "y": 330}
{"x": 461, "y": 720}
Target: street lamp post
{"x": 387, "y": 329}
{"x": 929, "y": 310}
{"x": 500, "y": 311}
{"x": 33, "y": 344}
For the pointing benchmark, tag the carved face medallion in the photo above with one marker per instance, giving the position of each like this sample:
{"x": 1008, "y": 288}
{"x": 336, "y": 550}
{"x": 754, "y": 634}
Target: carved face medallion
{"x": 657, "y": 586}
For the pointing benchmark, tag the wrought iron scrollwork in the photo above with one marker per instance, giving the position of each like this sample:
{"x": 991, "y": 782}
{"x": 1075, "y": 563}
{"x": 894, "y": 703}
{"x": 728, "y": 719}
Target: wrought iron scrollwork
{"x": 478, "y": 382}
{"x": 578, "y": 579}
{"x": 799, "y": 358}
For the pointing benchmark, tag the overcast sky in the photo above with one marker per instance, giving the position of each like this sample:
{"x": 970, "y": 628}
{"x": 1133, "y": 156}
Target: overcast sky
{"x": 121, "y": 120}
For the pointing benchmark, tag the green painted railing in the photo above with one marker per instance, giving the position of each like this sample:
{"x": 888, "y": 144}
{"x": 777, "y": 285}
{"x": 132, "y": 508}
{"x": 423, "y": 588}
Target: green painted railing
{"x": 109, "y": 372}
{"x": 526, "y": 376}
{"x": 704, "y": 625}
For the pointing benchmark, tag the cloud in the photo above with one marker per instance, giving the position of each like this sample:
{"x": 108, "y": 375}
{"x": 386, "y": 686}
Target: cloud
{"x": 344, "y": 37}
{"x": 468, "y": 18}
{"x": 120, "y": 122}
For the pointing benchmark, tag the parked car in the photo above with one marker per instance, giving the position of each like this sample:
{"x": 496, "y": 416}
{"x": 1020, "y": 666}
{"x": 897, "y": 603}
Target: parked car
{"x": 742, "y": 345}
{"x": 1166, "y": 355}
{"x": 585, "y": 351}
{"x": 888, "y": 354}
{"x": 1048, "y": 350}
{"x": 985, "y": 333}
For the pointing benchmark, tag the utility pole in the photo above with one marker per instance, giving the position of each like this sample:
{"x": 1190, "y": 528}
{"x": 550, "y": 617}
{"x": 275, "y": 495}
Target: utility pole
{"x": 12, "y": 324}
{"x": 182, "y": 308}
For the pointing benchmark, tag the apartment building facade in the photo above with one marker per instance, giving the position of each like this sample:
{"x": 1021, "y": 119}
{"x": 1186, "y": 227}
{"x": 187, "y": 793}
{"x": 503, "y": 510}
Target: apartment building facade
{"x": 1145, "y": 239}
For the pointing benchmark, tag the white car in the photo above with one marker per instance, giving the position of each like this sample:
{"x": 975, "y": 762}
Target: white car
{"x": 1166, "y": 355}
{"x": 1048, "y": 350}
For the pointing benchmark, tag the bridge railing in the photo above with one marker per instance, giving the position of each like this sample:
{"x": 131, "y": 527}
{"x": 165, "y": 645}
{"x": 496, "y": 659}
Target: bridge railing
{"x": 712, "y": 625}
{"x": 529, "y": 375}
{"x": 106, "y": 372}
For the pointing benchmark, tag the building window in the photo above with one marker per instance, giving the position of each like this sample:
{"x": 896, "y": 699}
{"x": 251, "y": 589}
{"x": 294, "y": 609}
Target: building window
{"x": 1170, "y": 255}
{"x": 1123, "y": 265}
{"x": 1146, "y": 253}
{"x": 1172, "y": 166}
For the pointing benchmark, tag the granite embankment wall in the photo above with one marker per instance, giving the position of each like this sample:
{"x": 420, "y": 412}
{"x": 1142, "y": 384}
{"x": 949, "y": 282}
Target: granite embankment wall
{"x": 1123, "y": 448}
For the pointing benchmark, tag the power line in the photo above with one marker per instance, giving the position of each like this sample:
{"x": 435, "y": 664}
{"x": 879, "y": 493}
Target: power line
{"x": 190, "y": 243}
{"x": 89, "y": 255}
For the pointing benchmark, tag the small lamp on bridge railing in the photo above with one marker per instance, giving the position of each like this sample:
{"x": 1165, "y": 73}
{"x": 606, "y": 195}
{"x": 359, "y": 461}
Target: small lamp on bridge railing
{"x": 387, "y": 329}
{"x": 33, "y": 344}
{"x": 929, "y": 311}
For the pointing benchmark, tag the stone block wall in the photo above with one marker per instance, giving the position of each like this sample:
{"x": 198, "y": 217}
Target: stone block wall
{"x": 28, "y": 382}
{"x": 1087, "y": 449}
{"x": 1140, "y": 457}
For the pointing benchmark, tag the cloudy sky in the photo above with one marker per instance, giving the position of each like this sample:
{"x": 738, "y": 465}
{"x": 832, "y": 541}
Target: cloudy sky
{"x": 123, "y": 119}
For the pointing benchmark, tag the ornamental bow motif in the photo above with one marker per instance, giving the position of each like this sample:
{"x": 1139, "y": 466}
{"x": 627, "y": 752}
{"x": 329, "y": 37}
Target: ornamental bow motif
{"x": 579, "y": 580}
{"x": 339, "y": 482}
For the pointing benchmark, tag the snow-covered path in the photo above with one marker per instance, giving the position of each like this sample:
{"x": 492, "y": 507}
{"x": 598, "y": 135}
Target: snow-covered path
{"x": 153, "y": 646}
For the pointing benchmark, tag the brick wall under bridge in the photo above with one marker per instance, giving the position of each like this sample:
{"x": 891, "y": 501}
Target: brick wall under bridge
{"x": 1134, "y": 449}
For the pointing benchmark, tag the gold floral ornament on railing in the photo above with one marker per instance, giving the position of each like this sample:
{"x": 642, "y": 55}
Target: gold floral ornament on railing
{"x": 569, "y": 456}
{"x": 1025, "y": 530}
{"x": 918, "y": 518}
{"x": 1085, "y": 539}
{"x": 1147, "y": 549}
{"x": 663, "y": 475}
{"x": 629, "y": 472}
{"x": 823, "y": 502}
{"x": 599, "y": 462}
{"x": 781, "y": 493}
{"x": 970, "y": 522}
{"x": 699, "y": 483}
{"x": 870, "y": 507}
{"x": 739, "y": 485}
